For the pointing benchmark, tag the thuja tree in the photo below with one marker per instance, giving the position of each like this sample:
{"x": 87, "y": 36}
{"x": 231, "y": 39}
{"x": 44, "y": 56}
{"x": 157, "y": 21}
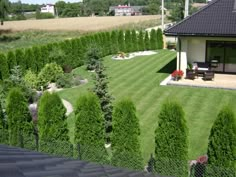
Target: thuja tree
{"x": 89, "y": 129}
{"x": 159, "y": 39}
{"x": 114, "y": 44}
{"x": 11, "y": 59}
{"x": 30, "y": 60}
{"x": 20, "y": 59}
{"x": 101, "y": 90}
{"x": 147, "y": 41}
{"x": 52, "y": 125}
{"x": 134, "y": 41}
{"x": 222, "y": 142}
{"x": 141, "y": 46}
{"x": 121, "y": 41}
{"x": 37, "y": 59}
{"x": 171, "y": 141}
{"x": 18, "y": 117}
{"x": 4, "y": 70}
{"x": 125, "y": 136}
{"x": 128, "y": 42}
{"x": 153, "y": 40}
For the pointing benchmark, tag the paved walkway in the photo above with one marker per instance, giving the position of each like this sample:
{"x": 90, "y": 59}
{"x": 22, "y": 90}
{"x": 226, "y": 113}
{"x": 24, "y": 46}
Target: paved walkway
{"x": 68, "y": 106}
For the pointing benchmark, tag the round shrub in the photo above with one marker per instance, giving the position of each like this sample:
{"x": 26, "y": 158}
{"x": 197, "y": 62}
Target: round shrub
{"x": 50, "y": 73}
{"x": 31, "y": 79}
{"x": 64, "y": 81}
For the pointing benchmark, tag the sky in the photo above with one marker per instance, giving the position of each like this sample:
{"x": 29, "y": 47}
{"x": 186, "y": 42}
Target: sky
{"x": 43, "y": 1}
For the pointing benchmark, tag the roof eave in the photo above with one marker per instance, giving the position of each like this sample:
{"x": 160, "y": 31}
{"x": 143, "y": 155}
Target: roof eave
{"x": 199, "y": 35}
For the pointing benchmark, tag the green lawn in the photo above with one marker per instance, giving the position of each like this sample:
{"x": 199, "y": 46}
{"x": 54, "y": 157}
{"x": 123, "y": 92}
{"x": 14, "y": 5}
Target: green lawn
{"x": 139, "y": 79}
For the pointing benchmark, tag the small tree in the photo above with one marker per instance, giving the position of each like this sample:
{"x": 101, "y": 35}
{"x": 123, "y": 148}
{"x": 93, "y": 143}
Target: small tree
{"x": 101, "y": 90}
{"x": 159, "y": 39}
{"x": 141, "y": 46}
{"x": 18, "y": 117}
{"x": 93, "y": 56}
{"x": 89, "y": 129}
{"x": 222, "y": 140}
{"x": 147, "y": 41}
{"x": 153, "y": 40}
{"x": 11, "y": 59}
{"x": 171, "y": 150}
{"x": 4, "y": 69}
{"x": 125, "y": 136}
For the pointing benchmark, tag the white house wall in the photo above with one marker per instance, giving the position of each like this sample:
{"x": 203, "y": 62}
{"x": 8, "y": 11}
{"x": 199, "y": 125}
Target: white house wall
{"x": 194, "y": 49}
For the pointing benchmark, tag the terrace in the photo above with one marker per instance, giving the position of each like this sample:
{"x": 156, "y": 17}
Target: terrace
{"x": 223, "y": 81}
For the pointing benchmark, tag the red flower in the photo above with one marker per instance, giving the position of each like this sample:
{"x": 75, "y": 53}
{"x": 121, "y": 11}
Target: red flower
{"x": 177, "y": 73}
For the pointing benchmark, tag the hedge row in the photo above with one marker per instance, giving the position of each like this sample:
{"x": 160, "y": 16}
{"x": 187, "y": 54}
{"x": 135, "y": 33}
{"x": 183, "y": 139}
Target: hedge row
{"x": 73, "y": 52}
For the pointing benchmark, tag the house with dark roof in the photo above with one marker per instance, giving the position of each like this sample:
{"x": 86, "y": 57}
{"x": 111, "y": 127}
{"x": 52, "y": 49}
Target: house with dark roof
{"x": 208, "y": 36}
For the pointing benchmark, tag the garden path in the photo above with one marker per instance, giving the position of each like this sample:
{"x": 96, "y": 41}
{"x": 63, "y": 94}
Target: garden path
{"x": 68, "y": 106}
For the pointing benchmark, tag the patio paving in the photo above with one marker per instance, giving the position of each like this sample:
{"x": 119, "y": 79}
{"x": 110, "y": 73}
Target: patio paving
{"x": 222, "y": 81}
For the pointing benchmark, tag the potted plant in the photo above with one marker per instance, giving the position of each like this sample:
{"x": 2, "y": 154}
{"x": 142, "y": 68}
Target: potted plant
{"x": 177, "y": 74}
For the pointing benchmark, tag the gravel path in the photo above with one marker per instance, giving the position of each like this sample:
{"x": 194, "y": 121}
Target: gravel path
{"x": 68, "y": 106}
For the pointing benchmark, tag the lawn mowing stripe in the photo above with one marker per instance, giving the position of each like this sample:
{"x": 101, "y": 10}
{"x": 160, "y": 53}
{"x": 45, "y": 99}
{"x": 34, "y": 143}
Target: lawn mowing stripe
{"x": 129, "y": 65}
{"x": 134, "y": 75}
{"x": 117, "y": 65}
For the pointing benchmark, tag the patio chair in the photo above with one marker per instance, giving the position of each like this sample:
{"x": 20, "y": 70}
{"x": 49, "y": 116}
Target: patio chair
{"x": 208, "y": 75}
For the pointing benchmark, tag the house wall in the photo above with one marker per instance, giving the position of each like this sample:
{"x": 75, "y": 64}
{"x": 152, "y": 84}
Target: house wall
{"x": 194, "y": 49}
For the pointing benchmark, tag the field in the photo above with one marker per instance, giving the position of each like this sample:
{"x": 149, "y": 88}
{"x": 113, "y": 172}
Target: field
{"x": 82, "y": 24}
{"x": 139, "y": 79}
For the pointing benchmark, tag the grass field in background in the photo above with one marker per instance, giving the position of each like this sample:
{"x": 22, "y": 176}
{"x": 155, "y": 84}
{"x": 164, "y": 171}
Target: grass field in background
{"x": 139, "y": 79}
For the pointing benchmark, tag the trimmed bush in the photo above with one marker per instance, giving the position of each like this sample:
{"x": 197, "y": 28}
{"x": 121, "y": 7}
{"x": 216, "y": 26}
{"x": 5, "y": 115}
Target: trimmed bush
{"x": 114, "y": 44}
{"x": 50, "y": 73}
{"x": 30, "y": 60}
{"x": 31, "y": 79}
{"x": 125, "y": 136}
{"x": 4, "y": 71}
{"x": 171, "y": 141}
{"x": 65, "y": 81}
{"x": 222, "y": 140}
{"x": 18, "y": 117}
{"x": 89, "y": 129}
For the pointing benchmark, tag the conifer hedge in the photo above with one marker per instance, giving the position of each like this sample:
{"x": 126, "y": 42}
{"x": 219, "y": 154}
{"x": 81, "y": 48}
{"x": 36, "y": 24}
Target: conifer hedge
{"x": 222, "y": 141}
{"x": 171, "y": 141}
{"x": 125, "y": 136}
{"x": 18, "y": 117}
{"x": 75, "y": 50}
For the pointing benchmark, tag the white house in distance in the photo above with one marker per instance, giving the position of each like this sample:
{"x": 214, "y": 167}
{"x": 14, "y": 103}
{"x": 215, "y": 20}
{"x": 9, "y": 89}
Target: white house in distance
{"x": 126, "y": 10}
{"x": 208, "y": 37}
{"x": 48, "y": 8}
